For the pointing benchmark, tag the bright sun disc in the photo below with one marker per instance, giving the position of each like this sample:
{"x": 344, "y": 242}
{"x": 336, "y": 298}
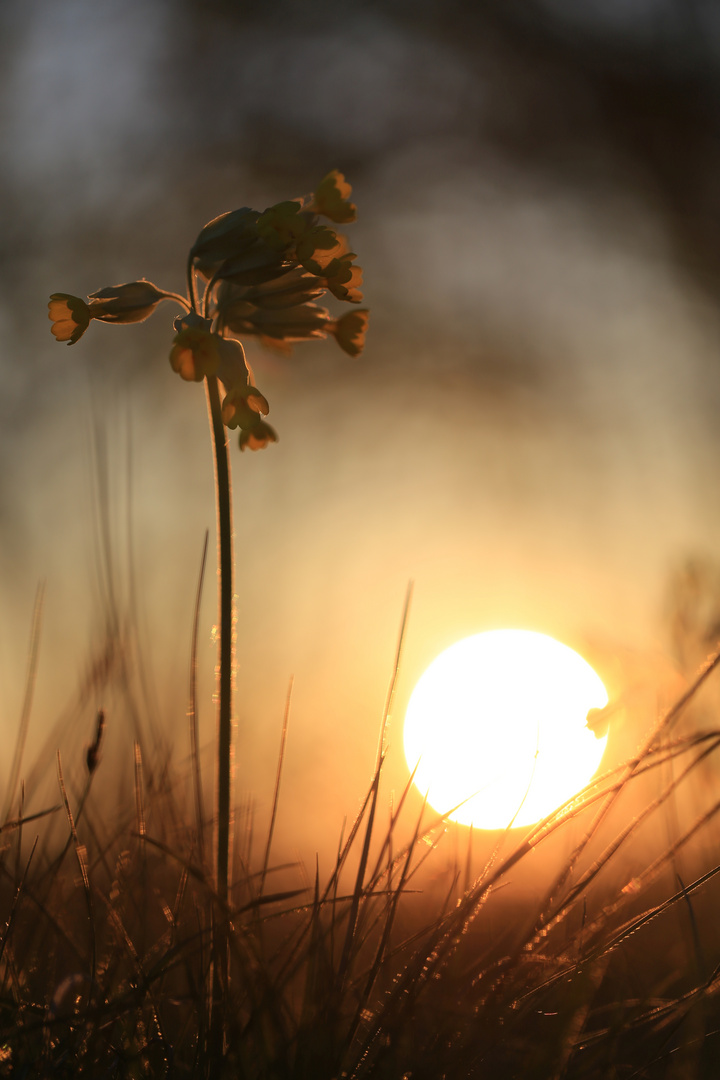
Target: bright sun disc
{"x": 498, "y": 719}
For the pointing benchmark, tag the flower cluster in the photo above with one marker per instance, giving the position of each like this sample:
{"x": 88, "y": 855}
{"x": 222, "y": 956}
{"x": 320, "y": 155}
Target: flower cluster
{"x": 260, "y": 274}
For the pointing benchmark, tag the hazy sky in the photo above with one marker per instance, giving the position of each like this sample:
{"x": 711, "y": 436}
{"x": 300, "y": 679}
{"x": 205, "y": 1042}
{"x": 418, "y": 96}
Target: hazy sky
{"x": 531, "y": 434}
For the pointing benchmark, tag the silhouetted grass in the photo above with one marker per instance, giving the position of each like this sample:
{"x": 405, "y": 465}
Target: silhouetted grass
{"x": 107, "y": 921}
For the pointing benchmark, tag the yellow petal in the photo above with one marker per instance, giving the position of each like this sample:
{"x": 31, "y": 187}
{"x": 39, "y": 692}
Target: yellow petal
{"x": 63, "y": 329}
{"x": 59, "y": 309}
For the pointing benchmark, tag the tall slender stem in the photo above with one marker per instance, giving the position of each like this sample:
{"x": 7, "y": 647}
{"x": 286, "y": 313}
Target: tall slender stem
{"x": 225, "y": 689}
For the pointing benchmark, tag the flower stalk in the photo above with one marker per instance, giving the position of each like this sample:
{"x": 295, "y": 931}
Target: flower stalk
{"x": 226, "y": 574}
{"x": 225, "y": 757}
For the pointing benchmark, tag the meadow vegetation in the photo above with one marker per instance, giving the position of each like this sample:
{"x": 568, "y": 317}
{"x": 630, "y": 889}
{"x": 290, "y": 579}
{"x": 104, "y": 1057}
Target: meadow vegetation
{"x": 137, "y": 940}
{"x": 107, "y": 945}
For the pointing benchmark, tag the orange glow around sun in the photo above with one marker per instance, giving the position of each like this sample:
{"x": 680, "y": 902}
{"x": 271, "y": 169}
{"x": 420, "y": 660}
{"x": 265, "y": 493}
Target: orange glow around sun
{"x": 497, "y": 722}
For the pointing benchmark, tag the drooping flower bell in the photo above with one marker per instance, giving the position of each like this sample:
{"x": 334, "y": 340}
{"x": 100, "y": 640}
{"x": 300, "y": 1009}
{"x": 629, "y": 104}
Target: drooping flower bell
{"x": 349, "y": 331}
{"x": 257, "y": 437}
{"x": 194, "y": 354}
{"x": 70, "y": 317}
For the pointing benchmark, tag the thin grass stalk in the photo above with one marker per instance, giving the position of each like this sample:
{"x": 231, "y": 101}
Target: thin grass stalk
{"x": 60, "y": 858}
{"x": 626, "y": 931}
{"x": 621, "y": 935}
{"x": 139, "y": 791}
{"x": 276, "y": 792}
{"x": 105, "y": 566}
{"x": 81, "y": 856}
{"x": 697, "y": 946}
{"x": 18, "y": 850}
{"x": 335, "y": 885}
{"x": 379, "y": 871}
{"x": 17, "y": 822}
{"x": 547, "y": 922}
{"x": 102, "y": 666}
{"x": 358, "y": 890}
{"x": 631, "y": 767}
{"x": 468, "y": 861}
{"x": 345, "y": 849}
{"x": 16, "y": 900}
{"x": 647, "y": 876}
{"x": 362, "y": 867}
{"x": 387, "y": 711}
{"x": 174, "y": 915}
{"x": 329, "y": 895}
{"x": 441, "y": 938}
{"x": 395, "y": 895}
{"x": 144, "y": 981}
{"x": 27, "y": 700}
{"x": 192, "y": 710}
{"x": 553, "y": 821}
{"x": 49, "y": 917}
{"x": 664, "y": 724}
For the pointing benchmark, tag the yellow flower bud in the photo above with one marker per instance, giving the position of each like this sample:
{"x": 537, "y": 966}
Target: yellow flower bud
{"x": 224, "y": 237}
{"x": 129, "y": 303}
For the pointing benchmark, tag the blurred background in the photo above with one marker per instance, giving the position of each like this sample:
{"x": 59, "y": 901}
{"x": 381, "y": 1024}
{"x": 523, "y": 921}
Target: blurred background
{"x": 531, "y": 434}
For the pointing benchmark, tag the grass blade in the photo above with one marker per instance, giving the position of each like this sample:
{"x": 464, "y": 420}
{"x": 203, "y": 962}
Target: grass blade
{"x": 192, "y": 709}
{"x": 276, "y": 793}
{"x": 27, "y": 701}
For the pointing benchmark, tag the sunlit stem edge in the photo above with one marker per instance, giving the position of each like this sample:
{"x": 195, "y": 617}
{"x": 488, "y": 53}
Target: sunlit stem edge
{"x": 225, "y": 688}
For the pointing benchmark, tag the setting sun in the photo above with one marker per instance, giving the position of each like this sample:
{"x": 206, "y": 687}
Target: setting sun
{"x": 497, "y": 723}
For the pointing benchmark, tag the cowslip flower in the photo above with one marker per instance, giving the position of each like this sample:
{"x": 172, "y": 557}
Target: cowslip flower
{"x": 242, "y": 405}
{"x": 248, "y": 273}
{"x": 257, "y": 437}
{"x": 317, "y": 248}
{"x": 344, "y": 279}
{"x": 349, "y": 331}
{"x": 195, "y": 354}
{"x": 282, "y": 225}
{"x": 70, "y": 317}
{"x": 331, "y": 199}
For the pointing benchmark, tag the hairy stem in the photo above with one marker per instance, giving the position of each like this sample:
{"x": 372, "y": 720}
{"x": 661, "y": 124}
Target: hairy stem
{"x": 225, "y": 688}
